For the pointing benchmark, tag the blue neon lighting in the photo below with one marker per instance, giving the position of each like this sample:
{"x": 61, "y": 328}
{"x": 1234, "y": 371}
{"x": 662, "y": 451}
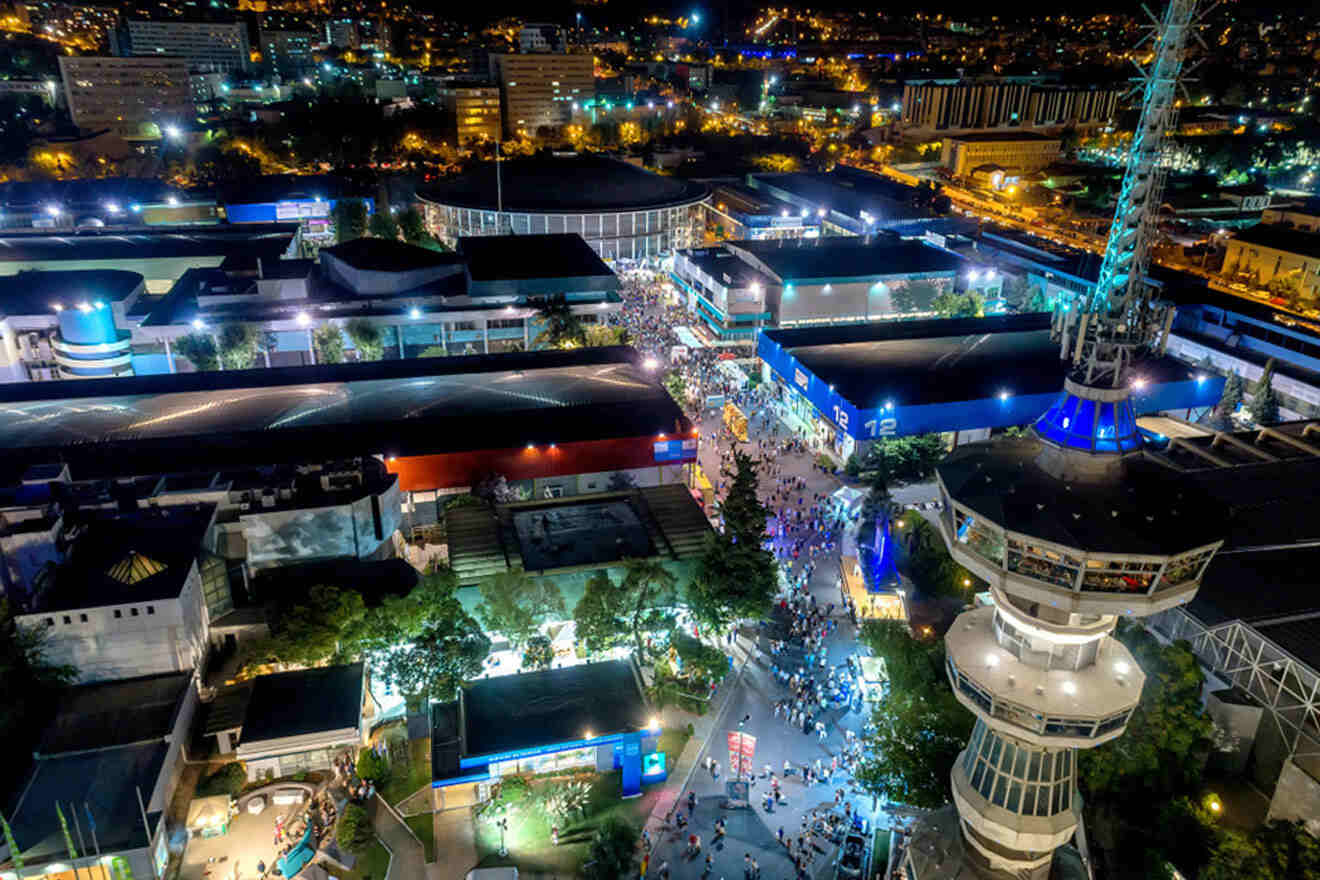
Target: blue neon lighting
{"x": 1085, "y": 424}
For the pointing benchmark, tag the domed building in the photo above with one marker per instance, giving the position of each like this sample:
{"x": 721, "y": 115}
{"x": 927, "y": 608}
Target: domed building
{"x": 622, "y": 211}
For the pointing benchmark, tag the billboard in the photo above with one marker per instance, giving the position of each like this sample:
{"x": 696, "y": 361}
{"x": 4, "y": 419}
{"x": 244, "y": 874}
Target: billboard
{"x": 742, "y": 748}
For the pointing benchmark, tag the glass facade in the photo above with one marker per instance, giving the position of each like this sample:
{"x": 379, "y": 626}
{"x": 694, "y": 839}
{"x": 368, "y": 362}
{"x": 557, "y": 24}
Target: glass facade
{"x": 1022, "y": 779}
{"x": 1092, "y": 425}
{"x": 624, "y": 235}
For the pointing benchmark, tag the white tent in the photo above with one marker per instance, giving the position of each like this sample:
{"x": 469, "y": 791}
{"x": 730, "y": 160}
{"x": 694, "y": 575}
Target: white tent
{"x": 848, "y": 498}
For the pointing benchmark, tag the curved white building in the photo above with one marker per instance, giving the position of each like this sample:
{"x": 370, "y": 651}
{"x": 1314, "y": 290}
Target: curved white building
{"x": 622, "y": 211}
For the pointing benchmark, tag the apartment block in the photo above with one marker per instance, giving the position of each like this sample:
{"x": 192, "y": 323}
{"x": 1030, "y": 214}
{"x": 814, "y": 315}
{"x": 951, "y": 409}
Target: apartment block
{"x": 126, "y": 94}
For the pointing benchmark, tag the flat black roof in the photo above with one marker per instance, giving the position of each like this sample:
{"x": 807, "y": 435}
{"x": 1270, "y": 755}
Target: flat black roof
{"x": 35, "y": 293}
{"x": 1279, "y": 237}
{"x": 1151, "y": 511}
{"x": 1301, "y": 638}
{"x": 415, "y": 406}
{"x": 303, "y": 701}
{"x": 114, "y": 713}
{"x": 848, "y": 257}
{"x": 717, "y": 262}
{"x": 284, "y": 187}
{"x": 104, "y": 782}
{"x": 87, "y": 192}
{"x": 578, "y": 184}
{"x": 556, "y": 255}
{"x": 249, "y": 240}
{"x": 126, "y": 558}
{"x": 383, "y": 255}
{"x": 510, "y": 712}
{"x": 1257, "y": 586}
{"x": 941, "y": 360}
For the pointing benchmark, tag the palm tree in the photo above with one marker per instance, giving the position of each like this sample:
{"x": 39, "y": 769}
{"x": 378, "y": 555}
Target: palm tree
{"x": 563, "y": 329}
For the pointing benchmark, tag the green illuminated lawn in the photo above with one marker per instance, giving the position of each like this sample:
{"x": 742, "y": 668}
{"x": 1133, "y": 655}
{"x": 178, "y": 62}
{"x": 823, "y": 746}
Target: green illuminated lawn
{"x": 528, "y": 836}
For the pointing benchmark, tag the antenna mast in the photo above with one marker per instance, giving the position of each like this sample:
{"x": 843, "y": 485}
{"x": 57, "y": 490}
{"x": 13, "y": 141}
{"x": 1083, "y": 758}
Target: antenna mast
{"x": 1121, "y": 316}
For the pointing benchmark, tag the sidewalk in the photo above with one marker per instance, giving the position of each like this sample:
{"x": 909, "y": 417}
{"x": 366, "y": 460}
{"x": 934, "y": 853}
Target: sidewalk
{"x": 407, "y": 858}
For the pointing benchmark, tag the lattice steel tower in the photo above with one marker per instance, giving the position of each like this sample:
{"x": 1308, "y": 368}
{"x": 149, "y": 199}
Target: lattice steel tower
{"x": 1071, "y": 529}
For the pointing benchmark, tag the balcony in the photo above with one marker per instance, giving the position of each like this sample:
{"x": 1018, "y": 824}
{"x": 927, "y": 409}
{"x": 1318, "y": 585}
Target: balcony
{"x": 1081, "y": 708}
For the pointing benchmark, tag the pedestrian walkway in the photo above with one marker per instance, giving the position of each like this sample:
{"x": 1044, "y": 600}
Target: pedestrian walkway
{"x": 407, "y": 858}
{"x": 455, "y": 845}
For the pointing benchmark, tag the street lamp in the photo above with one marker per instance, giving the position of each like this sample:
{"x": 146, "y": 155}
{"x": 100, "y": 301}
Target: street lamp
{"x": 503, "y": 823}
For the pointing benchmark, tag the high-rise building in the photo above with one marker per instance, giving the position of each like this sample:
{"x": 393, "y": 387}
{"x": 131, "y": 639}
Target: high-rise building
{"x": 126, "y": 95}
{"x": 216, "y": 46}
{"x": 343, "y": 33}
{"x": 542, "y": 38}
{"x": 937, "y": 106}
{"x": 472, "y": 111}
{"x": 288, "y": 52}
{"x": 539, "y": 89}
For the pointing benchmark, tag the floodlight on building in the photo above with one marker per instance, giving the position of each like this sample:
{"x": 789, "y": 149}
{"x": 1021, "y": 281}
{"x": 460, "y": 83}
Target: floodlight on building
{"x": 198, "y": 323}
{"x": 112, "y": 207}
{"x": 651, "y": 363}
{"x": 1069, "y": 688}
{"x": 1122, "y": 668}
{"x": 414, "y": 313}
{"x": 57, "y": 307}
{"x": 172, "y": 201}
{"x": 303, "y": 319}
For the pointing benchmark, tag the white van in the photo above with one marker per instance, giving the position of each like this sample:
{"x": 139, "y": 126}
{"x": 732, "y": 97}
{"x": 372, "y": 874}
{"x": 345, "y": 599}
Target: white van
{"x": 493, "y": 874}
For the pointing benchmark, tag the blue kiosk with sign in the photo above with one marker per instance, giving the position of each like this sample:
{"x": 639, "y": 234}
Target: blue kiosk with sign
{"x": 591, "y": 716}
{"x": 853, "y": 383}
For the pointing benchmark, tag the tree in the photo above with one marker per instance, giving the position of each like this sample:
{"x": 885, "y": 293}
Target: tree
{"x": 1231, "y": 398}
{"x": 539, "y": 653}
{"x": 676, "y": 385}
{"x": 412, "y": 225}
{"x": 1167, "y": 740}
{"x": 199, "y": 350}
{"x": 915, "y": 739}
{"x": 601, "y": 615}
{"x": 311, "y": 629}
{"x": 349, "y": 217}
{"x": 328, "y": 340}
{"x": 561, "y": 327}
{"x": 229, "y": 779}
{"x": 1264, "y": 406}
{"x": 30, "y": 687}
{"x": 450, "y": 649}
{"x": 648, "y": 587}
{"x": 925, "y": 559}
{"x": 1039, "y": 302}
{"x": 613, "y": 852}
{"x": 513, "y": 603}
{"x": 597, "y": 335}
{"x": 354, "y": 832}
{"x": 373, "y": 767}
{"x": 736, "y": 576}
{"x": 912, "y": 666}
{"x": 366, "y": 338}
{"x": 954, "y": 305}
{"x": 494, "y": 489}
{"x": 239, "y": 346}
{"x": 913, "y": 297}
{"x": 383, "y": 225}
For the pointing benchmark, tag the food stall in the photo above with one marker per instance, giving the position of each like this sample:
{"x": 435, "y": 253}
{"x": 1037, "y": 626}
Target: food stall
{"x": 209, "y": 816}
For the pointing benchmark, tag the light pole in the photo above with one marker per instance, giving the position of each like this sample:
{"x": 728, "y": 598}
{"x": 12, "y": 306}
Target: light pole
{"x": 503, "y": 823}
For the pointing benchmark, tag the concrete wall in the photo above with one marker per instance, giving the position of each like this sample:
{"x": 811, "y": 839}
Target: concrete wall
{"x": 167, "y": 635}
{"x": 1297, "y": 796}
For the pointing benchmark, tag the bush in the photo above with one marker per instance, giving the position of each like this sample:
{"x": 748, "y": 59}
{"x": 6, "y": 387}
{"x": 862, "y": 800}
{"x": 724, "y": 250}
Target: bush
{"x": 373, "y": 767}
{"x": 568, "y": 799}
{"x": 229, "y": 780}
{"x": 354, "y": 832}
{"x": 512, "y": 789}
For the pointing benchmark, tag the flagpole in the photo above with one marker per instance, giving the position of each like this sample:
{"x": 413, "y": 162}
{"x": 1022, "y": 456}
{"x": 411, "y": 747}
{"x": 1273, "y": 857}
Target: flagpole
{"x": 68, "y": 840}
{"x": 82, "y": 842}
{"x": 146, "y": 828}
{"x": 15, "y": 855}
{"x": 91, "y": 826}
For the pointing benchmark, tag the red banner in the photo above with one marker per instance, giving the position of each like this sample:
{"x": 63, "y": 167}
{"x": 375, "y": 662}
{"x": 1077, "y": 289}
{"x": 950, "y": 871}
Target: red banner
{"x": 742, "y": 747}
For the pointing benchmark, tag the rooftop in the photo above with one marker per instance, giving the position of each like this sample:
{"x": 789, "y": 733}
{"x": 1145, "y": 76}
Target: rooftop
{"x": 104, "y": 783}
{"x": 848, "y": 257}
{"x": 986, "y": 137}
{"x": 126, "y": 558}
{"x": 1278, "y": 237}
{"x": 566, "y": 255}
{"x": 1151, "y": 511}
{"x": 726, "y": 267}
{"x": 268, "y": 239}
{"x": 284, "y": 187}
{"x": 540, "y": 185}
{"x": 115, "y": 713}
{"x": 383, "y": 255}
{"x": 942, "y": 360}
{"x": 267, "y": 416}
{"x": 1289, "y": 575}
{"x": 510, "y": 712}
{"x": 304, "y": 701}
{"x": 87, "y": 192}
{"x": 35, "y": 293}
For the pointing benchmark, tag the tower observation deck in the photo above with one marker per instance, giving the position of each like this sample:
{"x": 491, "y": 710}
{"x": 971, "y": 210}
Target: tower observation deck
{"x": 1073, "y": 527}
